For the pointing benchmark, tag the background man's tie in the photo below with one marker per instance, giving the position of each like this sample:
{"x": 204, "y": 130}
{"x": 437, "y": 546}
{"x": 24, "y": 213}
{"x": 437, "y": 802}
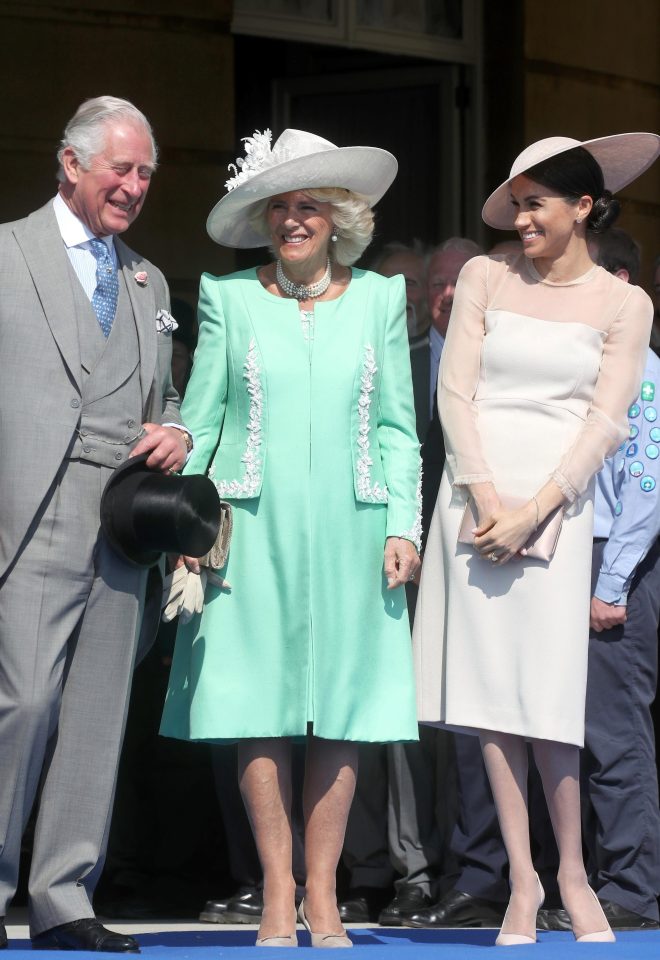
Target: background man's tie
{"x": 105, "y": 296}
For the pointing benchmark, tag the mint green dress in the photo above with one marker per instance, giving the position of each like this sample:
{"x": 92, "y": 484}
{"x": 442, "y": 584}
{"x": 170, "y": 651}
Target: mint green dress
{"x": 306, "y": 426}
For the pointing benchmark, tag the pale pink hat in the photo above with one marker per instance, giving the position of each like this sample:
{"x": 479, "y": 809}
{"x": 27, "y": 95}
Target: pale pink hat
{"x": 621, "y": 157}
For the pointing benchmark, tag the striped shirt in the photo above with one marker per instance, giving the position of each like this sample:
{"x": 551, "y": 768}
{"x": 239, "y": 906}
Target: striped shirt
{"x": 76, "y": 237}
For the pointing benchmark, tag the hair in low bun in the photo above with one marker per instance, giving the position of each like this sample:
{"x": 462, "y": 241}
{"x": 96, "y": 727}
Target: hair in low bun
{"x": 603, "y": 213}
{"x": 576, "y": 173}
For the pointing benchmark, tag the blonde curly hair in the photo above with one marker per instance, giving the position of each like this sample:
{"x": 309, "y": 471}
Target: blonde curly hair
{"x": 350, "y": 213}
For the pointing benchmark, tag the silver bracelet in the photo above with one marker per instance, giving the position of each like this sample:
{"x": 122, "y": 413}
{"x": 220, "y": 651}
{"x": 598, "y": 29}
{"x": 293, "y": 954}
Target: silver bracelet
{"x": 536, "y": 504}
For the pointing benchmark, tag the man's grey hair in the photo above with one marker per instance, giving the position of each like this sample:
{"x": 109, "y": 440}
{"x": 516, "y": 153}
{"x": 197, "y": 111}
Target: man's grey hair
{"x": 459, "y": 244}
{"x": 86, "y": 130}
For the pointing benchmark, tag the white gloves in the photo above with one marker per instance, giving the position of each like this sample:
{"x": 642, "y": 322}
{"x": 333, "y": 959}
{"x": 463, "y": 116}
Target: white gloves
{"x": 183, "y": 592}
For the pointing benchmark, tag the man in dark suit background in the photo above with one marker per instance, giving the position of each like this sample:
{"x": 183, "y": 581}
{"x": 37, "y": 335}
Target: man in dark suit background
{"x": 444, "y": 265}
{"x": 403, "y": 810}
{"x": 410, "y": 262}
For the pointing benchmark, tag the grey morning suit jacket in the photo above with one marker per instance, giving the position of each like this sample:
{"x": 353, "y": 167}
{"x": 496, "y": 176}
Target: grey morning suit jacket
{"x": 64, "y": 594}
{"x": 40, "y": 396}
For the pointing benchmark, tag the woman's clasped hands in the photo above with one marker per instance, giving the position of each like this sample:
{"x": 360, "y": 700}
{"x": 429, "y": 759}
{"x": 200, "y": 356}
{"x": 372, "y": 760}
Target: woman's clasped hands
{"x": 502, "y": 534}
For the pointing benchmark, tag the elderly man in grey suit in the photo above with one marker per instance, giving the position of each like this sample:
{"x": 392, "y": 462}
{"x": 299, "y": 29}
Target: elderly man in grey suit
{"x": 85, "y": 342}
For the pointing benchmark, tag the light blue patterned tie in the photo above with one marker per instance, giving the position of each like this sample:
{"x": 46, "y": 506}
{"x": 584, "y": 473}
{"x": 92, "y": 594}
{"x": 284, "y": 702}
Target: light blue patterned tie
{"x": 105, "y": 296}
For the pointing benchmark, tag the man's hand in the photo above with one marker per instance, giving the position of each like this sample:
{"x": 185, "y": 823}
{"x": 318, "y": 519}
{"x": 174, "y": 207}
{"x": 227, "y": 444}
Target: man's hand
{"x": 401, "y": 561}
{"x": 165, "y": 445}
{"x": 604, "y": 616}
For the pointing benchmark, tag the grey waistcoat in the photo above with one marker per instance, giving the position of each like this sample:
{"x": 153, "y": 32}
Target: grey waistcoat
{"x": 111, "y": 398}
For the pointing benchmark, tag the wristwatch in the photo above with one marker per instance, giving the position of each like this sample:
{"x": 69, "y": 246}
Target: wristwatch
{"x": 188, "y": 440}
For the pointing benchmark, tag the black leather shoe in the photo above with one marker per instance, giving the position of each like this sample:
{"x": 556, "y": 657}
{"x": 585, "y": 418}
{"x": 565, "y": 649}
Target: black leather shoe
{"x": 618, "y": 918}
{"x": 621, "y": 919}
{"x": 3, "y": 934}
{"x": 246, "y": 906}
{"x": 214, "y": 911}
{"x": 457, "y": 909}
{"x": 363, "y": 904}
{"x": 87, "y": 934}
{"x": 552, "y": 920}
{"x": 409, "y": 899}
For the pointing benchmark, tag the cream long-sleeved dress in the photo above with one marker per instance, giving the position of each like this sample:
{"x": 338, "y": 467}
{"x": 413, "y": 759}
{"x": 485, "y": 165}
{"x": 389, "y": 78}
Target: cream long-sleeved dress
{"x": 535, "y": 382}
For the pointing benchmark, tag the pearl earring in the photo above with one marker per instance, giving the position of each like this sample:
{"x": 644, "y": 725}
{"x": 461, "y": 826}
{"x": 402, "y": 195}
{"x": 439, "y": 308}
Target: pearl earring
{"x": 579, "y": 220}
{"x": 334, "y": 236}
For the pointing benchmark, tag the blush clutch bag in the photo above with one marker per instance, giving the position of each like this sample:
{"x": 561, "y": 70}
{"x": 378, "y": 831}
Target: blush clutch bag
{"x": 542, "y": 543}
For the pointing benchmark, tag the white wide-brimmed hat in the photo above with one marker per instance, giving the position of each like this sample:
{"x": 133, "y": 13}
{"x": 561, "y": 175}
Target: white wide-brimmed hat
{"x": 297, "y": 161}
{"x": 621, "y": 157}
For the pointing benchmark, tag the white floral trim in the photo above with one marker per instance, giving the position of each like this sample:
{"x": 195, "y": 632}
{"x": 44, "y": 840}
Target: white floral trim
{"x": 367, "y": 491}
{"x": 415, "y": 532}
{"x": 249, "y": 486}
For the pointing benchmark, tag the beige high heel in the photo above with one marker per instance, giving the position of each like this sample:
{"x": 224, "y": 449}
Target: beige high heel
{"x": 519, "y": 939}
{"x": 322, "y": 939}
{"x": 601, "y": 936}
{"x": 289, "y": 941}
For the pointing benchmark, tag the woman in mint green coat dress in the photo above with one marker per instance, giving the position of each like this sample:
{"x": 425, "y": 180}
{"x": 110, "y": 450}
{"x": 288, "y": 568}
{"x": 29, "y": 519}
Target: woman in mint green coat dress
{"x": 300, "y": 405}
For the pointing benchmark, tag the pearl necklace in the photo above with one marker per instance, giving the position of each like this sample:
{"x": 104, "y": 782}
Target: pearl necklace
{"x": 299, "y": 290}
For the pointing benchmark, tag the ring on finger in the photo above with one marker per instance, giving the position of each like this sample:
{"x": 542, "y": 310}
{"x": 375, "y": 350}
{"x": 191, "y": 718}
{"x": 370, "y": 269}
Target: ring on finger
{"x": 493, "y": 557}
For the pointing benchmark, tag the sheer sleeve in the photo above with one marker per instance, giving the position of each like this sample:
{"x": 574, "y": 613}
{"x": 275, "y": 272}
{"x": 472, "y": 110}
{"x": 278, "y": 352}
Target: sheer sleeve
{"x": 621, "y": 369}
{"x": 459, "y": 376}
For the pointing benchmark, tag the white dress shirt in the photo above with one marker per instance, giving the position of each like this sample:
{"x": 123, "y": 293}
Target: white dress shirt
{"x": 76, "y": 237}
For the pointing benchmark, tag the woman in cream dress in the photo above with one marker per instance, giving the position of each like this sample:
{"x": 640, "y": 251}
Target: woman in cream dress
{"x": 544, "y": 354}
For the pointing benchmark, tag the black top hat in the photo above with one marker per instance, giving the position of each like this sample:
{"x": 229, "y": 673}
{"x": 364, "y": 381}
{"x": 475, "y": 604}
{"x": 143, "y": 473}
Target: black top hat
{"x": 145, "y": 513}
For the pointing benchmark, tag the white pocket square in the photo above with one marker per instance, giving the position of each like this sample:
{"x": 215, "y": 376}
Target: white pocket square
{"x": 165, "y": 322}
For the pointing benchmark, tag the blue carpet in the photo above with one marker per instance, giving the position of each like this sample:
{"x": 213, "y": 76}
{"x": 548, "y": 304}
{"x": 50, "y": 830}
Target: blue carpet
{"x": 381, "y": 943}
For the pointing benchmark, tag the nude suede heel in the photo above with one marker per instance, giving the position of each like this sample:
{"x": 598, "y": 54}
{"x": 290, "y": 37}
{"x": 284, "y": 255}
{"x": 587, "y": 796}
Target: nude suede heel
{"x": 322, "y": 939}
{"x": 290, "y": 941}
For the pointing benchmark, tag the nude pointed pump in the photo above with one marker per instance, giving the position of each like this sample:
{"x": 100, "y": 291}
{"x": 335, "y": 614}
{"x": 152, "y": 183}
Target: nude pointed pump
{"x": 322, "y": 939}
{"x": 520, "y": 939}
{"x": 601, "y": 936}
{"x": 290, "y": 941}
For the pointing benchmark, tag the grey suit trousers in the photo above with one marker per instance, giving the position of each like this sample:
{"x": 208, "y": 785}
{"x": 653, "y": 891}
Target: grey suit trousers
{"x": 403, "y": 813}
{"x": 69, "y": 616}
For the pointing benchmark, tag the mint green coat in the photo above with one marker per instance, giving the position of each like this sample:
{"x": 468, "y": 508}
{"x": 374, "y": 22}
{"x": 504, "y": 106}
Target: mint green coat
{"x": 310, "y": 434}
